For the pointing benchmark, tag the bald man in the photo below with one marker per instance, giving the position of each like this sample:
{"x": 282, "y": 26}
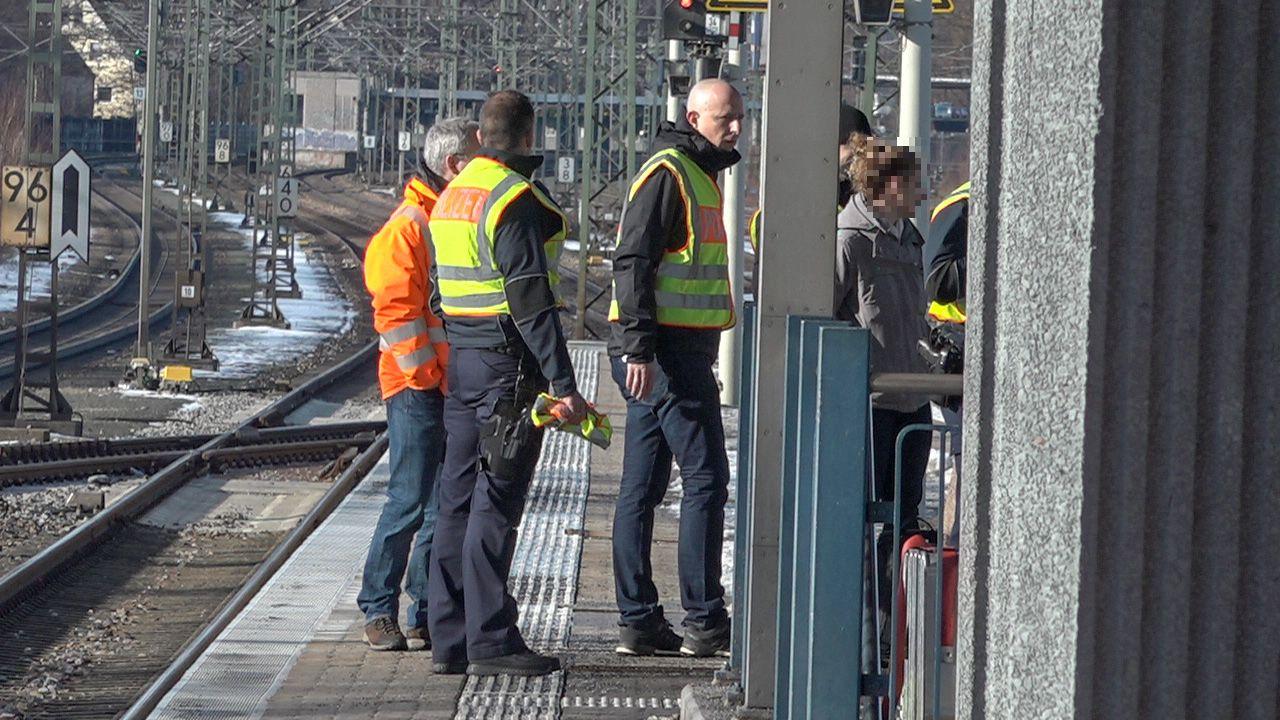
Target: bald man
{"x": 671, "y": 300}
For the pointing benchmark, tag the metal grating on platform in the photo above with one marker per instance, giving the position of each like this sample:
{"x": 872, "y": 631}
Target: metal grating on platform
{"x": 544, "y": 575}
{"x": 244, "y": 667}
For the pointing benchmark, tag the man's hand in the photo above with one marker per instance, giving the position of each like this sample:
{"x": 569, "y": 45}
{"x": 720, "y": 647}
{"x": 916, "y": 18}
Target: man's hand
{"x": 576, "y": 408}
{"x": 640, "y": 379}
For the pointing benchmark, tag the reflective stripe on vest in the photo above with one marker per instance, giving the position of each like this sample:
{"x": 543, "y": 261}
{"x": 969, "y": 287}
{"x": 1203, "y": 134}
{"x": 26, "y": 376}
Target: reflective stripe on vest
{"x": 416, "y": 328}
{"x": 463, "y": 227}
{"x": 958, "y": 195}
{"x": 692, "y": 288}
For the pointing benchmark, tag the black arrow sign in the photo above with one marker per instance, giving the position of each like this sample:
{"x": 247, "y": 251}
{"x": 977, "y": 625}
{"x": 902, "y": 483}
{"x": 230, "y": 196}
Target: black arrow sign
{"x": 71, "y": 200}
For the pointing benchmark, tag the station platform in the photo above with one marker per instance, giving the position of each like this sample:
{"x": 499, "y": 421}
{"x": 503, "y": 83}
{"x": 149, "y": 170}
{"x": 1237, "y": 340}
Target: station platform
{"x": 297, "y": 650}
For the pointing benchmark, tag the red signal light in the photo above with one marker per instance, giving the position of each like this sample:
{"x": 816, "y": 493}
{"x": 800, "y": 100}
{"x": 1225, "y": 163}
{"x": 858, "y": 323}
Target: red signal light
{"x": 686, "y": 4}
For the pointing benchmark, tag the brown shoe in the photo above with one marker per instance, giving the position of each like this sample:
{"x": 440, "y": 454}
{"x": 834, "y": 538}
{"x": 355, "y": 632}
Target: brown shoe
{"x": 418, "y": 638}
{"x": 382, "y": 633}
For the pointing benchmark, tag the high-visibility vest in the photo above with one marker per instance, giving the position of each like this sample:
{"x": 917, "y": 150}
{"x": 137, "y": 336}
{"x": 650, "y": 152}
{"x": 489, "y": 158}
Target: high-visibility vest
{"x": 952, "y": 311}
{"x": 753, "y": 230}
{"x": 464, "y": 225}
{"x": 396, "y": 271}
{"x": 692, "y": 288}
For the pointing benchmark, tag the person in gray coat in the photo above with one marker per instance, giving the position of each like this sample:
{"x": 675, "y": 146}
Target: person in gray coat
{"x": 880, "y": 286}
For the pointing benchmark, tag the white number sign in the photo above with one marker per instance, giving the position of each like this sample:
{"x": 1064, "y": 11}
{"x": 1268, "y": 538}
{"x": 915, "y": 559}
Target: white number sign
{"x": 370, "y": 142}
{"x": 24, "y": 210}
{"x": 565, "y": 170}
{"x": 286, "y": 197}
{"x": 222, "y": 150}
{"x": 404, "y": 141}
{"x": 166, "y": 131}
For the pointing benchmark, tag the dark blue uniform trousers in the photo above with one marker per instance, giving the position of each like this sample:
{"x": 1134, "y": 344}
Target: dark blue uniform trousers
{"x": 686, "y": 425}
{"x": 471, "y": 614}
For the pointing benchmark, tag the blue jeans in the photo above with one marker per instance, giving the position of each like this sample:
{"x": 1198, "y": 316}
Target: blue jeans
{"x": 684, "y": 426}
{"x": 415, "y": 429}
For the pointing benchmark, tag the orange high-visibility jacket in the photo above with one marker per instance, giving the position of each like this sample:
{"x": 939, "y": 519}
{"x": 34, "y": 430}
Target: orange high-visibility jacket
{"x": 397, "y": 262}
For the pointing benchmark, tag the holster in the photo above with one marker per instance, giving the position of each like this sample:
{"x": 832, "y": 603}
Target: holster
{"x": 508, "y": 439}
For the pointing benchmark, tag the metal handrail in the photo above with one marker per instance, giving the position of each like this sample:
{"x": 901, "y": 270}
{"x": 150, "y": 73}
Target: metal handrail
{"x": 926, "y": 383}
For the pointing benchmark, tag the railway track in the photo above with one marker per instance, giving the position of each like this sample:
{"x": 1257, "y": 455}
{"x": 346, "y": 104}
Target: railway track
{"x": 597, "y": 321}
{"x": 112, "y": 550}
{"x": 43, "y": 462}
{"x": 104, "y": 319}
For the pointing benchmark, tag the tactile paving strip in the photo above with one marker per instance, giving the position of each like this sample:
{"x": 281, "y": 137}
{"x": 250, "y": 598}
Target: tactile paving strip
{"x": 544, "y": 574}
{"x": 245, "y": 666}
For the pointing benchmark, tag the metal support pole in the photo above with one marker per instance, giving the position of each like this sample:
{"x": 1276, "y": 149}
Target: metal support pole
{"x": 915, "y": 117}
{"x": 867, "y": 98}
{"x": 675, "y": 53}
{"x": 733, "y": 184}
{"x": 629, "y": 96}
{"x": 588, "y": 151}
{"x": 150, "y": 122}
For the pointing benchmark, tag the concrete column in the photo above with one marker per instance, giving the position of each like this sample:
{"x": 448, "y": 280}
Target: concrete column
{"x": 801, "y": 100}
{"x": 1119, "y": 511}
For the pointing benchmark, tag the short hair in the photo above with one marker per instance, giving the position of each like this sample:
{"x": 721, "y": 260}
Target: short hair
{"x": 506, "y": 120}
{"x": 447, "y": 137}
{"x": 880, "y": 161}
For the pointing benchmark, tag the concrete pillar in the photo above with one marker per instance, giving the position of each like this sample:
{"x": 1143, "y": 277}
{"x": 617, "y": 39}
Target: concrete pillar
{"x": 794, "y": 277}
{"x": 1121, "y": 544}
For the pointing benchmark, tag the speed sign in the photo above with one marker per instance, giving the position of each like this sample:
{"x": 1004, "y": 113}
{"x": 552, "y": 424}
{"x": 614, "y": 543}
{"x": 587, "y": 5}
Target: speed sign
{"x": 286, "y": 197}
{"x": 24, "y": 207}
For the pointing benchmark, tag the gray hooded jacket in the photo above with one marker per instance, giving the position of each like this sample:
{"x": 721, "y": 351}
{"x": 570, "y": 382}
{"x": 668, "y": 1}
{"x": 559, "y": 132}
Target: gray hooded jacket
{"x": 880, "y": 287}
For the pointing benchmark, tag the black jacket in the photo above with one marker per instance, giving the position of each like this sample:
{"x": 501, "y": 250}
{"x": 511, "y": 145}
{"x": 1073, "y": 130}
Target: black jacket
{"x": 534, "y": 323}
{"x": 944, "y": 254}
{"x": 653, "y": 223}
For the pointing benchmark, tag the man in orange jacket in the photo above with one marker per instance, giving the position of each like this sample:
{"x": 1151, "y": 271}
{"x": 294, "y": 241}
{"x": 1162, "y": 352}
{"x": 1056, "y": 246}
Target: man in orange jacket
{"x": 411, "y": 373}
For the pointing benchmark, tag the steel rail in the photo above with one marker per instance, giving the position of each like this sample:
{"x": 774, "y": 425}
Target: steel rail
{"x": 254, "y": 447}
{"x": 94, "y": 302}
{"x": 155, "y": 692}
{"x": 39, "y": 568}
{"x": 102, "y": 337}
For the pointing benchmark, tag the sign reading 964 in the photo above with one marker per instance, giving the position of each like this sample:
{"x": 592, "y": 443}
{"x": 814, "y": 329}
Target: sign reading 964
{"x": 24, "y": 206}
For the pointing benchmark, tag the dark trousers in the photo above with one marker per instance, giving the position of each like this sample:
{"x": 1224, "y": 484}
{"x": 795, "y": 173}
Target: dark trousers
{"x": 685, "y": 425}
{"x": 472, "y": 615}
{"x": 415, "y": 429}
{"x": 885, "y": 426}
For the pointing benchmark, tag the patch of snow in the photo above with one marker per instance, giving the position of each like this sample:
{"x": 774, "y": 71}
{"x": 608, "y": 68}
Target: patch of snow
{"x": 37, "y": 277}
{"x": 322, "y": 314}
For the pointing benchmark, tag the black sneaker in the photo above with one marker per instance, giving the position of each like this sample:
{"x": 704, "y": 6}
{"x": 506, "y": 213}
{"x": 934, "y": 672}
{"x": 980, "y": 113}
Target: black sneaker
{"x": 639, "y": 640}
{"x": 457, "y": 667}
{"x": 708, "y": 642}
{"x": 526, "y": 662}
{"x": 417, "y": 638}
{"x": 382, "y": 633}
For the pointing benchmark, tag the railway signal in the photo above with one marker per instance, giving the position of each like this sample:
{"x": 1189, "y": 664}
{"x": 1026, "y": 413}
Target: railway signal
{"x": 70, "y": 207}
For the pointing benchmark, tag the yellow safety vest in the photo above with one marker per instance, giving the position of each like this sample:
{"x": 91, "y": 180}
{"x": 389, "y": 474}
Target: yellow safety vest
{"x": 952, "y": 311}
{"x": 693, "y": 288}
{"x": 463, "y": 226}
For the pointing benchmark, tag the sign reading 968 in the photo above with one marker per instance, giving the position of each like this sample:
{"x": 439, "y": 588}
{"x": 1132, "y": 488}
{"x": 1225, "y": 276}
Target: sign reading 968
{"x": 24, "y": 206}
